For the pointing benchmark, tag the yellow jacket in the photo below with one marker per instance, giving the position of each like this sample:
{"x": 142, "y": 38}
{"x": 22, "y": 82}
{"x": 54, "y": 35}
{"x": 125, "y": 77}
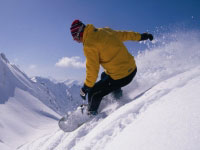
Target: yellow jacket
{"x": 104, "y": 46}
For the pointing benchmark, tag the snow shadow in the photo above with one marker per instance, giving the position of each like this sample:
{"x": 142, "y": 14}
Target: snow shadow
{"x": 46, "y": 114}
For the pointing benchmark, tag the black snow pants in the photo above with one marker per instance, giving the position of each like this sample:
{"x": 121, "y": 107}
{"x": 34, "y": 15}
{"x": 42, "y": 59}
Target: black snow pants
{"x": 105, "y": 86}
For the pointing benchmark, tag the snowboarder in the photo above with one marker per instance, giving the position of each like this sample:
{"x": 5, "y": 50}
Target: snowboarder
{"x": 104, "y": 46}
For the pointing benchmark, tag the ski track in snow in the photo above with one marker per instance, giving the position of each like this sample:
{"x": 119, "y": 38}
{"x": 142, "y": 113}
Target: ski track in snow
{"x": 46, "y": 142}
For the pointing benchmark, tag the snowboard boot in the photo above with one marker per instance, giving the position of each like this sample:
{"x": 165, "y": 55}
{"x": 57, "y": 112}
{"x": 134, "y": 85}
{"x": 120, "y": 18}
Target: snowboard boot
{"x": 92, "y": 113}
{"x": 117, "y": 94}
{"x": 84, "y": 110}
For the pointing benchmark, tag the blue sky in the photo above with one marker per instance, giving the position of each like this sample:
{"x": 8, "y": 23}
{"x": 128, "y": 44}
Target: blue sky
{"x": 35, "y": 35}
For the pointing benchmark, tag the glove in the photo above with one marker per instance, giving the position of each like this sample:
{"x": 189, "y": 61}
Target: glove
{"x": 146, "y": 36}
{"x": 84, "y": 91}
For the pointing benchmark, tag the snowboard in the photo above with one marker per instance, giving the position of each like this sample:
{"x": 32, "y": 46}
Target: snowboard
{"x": 77, "y": 118}
{"x": 73, "y": 120}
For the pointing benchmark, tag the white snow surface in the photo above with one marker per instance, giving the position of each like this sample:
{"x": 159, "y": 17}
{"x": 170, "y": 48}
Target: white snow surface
{"x": 159, "y": 109}
{"x": 22, "y": 117}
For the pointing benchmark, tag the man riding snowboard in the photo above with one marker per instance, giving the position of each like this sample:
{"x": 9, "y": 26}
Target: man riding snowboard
{"x": 104, "y": 46}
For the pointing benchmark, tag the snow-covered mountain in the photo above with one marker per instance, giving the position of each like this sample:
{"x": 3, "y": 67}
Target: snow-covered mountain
{"x": 22, "y": 112}
{"x": 71, "y": 82}
{"x": 27, "y": 105}
{"x": 159, "y": 109}
{"x": 66, "y": 93}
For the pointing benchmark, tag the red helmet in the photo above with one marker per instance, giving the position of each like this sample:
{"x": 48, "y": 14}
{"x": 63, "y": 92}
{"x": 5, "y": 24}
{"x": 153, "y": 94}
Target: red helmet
{"x": 77, "y": 28}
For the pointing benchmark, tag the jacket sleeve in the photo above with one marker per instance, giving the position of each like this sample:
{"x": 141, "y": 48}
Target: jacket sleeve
{"x": 127, "y": 35}
{"x": 92, "y": 65}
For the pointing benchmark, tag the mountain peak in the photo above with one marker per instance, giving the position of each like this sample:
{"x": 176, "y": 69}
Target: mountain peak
{"x": 10, "y": 79}
{"x": 3, "y": 57}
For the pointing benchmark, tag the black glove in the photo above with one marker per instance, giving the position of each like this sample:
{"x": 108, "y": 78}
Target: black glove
{"x": 146, "y": 36}
{"x": 84, "y": 91}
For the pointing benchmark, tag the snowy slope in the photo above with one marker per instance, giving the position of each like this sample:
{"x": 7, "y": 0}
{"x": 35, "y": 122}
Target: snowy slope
{"x": 160, "y": 109}
{"x": 22, "y": 113}
{"x": 30, "y": 107}
{"x": 168, "y": 119}
{"x": 11, "y": 77}
{"x": 161, "y": 118}
{"x": 23, "y": 117}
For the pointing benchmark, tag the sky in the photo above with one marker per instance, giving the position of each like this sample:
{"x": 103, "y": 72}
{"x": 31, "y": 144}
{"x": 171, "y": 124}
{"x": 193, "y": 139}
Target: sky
{"x": 35, "y": 34}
